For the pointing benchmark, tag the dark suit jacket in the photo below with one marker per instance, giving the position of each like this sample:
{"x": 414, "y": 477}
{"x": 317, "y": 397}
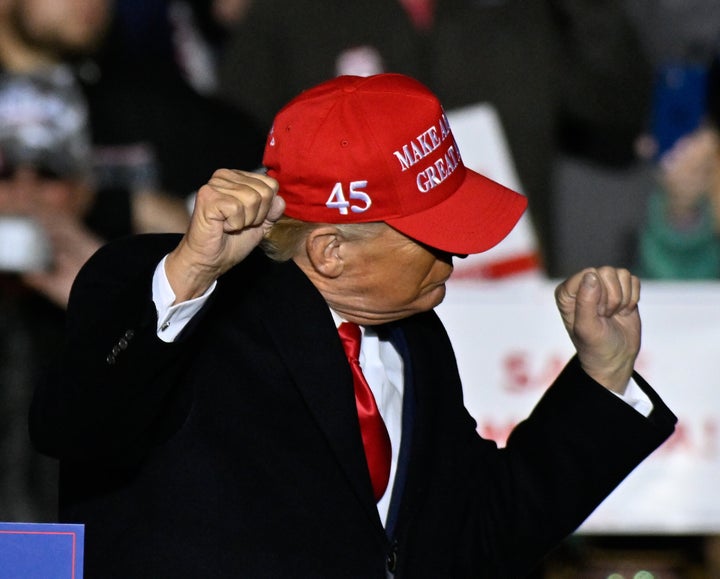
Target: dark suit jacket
{"x": 235, "y": 451}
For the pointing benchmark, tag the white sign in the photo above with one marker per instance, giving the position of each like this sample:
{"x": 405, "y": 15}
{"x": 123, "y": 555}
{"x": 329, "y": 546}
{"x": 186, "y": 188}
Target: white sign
{"x": 510, "y": 344}
{"x": 483, "y": 146}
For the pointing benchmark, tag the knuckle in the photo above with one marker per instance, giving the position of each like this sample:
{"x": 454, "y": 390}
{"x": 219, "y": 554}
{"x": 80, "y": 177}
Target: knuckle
{"x": 221, "y": 173}
{"x": 207, "y": 191}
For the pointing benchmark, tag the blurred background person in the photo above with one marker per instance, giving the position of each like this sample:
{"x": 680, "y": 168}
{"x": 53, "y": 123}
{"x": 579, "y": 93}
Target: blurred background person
{"x": 676, "y": 31}
{"x": 52, "y": 218}
{"x": 151, "y": 93}
{"x": 679, "y": 239}
{"x": 186, "y": 35}
{"x": 677, "y": 39}
{"x": 199, "y": 30}
{"x": 45, "y": 192}
{"x": 45, "y": 165}
{"x": 677, "y": 233}
{"x": 150, "y": 128}
{"x": 680, "y": 235}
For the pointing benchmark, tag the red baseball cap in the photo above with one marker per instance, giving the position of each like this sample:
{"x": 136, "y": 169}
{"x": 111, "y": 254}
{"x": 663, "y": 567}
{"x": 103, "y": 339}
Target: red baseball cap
{"x": 379, "y": 148}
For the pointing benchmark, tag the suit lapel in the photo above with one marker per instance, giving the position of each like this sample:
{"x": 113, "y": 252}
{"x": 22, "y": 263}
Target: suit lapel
{"x": 317, "y": 362}
{"x": 416, "y": 346}
{"x": 395, "y": 335}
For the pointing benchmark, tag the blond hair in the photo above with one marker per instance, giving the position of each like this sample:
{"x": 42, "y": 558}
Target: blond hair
{"x": 286, "y": 238}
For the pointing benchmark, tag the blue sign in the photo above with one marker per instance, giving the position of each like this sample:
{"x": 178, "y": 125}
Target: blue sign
{"x": 41, "y": 551}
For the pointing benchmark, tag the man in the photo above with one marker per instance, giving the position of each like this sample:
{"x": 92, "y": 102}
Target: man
{"x": 46, "y": 163}
{"x": 46, "y": 177}
{"x": 208, "y": 421}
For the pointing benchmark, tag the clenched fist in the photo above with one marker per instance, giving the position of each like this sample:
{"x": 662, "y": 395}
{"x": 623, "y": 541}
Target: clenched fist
{"x": 599, "y": 308}
{"x": 233, "y": 211}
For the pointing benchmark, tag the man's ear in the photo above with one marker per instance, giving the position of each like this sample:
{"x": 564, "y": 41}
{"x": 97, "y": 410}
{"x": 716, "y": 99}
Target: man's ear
{"x": 323, "y": 250}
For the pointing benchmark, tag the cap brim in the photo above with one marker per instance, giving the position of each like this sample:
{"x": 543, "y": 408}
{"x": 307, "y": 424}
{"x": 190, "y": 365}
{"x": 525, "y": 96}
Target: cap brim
{"x": 475, "y": 218}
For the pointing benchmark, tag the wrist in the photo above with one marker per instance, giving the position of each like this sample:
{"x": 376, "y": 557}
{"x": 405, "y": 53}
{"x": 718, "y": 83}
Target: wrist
{"x": 187, "y": 278}
{"x": 615, "y": 379}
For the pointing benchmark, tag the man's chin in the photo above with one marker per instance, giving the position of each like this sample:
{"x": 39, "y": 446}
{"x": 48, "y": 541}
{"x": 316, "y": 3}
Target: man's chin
{"x": 436, "y": 295}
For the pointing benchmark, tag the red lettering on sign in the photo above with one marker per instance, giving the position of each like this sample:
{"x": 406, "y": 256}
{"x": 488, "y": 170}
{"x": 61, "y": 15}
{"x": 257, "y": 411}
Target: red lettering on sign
{"x": 521, "y": 373}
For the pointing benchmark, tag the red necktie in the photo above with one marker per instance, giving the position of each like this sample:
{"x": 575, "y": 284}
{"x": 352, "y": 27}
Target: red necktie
{"x": 374, "y": 434}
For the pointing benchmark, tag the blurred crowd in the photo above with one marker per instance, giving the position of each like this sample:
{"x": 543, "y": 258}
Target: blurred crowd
{"x": 113, "y": 112}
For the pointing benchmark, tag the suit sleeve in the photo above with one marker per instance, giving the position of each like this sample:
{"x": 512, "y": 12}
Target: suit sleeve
{"x": 575, "y": 448}
{"x": 111, "y": 390}
{"x": 476, "y": 510}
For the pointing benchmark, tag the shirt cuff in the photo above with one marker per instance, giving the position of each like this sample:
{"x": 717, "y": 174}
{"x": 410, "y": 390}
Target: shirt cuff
{"x": 636, "y": 397}
{"x": 172, "y": 319}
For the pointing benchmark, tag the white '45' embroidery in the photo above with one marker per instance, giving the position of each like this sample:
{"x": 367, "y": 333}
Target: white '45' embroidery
{"x": 357, "y": 200}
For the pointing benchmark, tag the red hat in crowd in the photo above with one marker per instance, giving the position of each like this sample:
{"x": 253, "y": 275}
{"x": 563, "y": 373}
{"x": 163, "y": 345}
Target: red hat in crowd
{"x": 379, "y": 148}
